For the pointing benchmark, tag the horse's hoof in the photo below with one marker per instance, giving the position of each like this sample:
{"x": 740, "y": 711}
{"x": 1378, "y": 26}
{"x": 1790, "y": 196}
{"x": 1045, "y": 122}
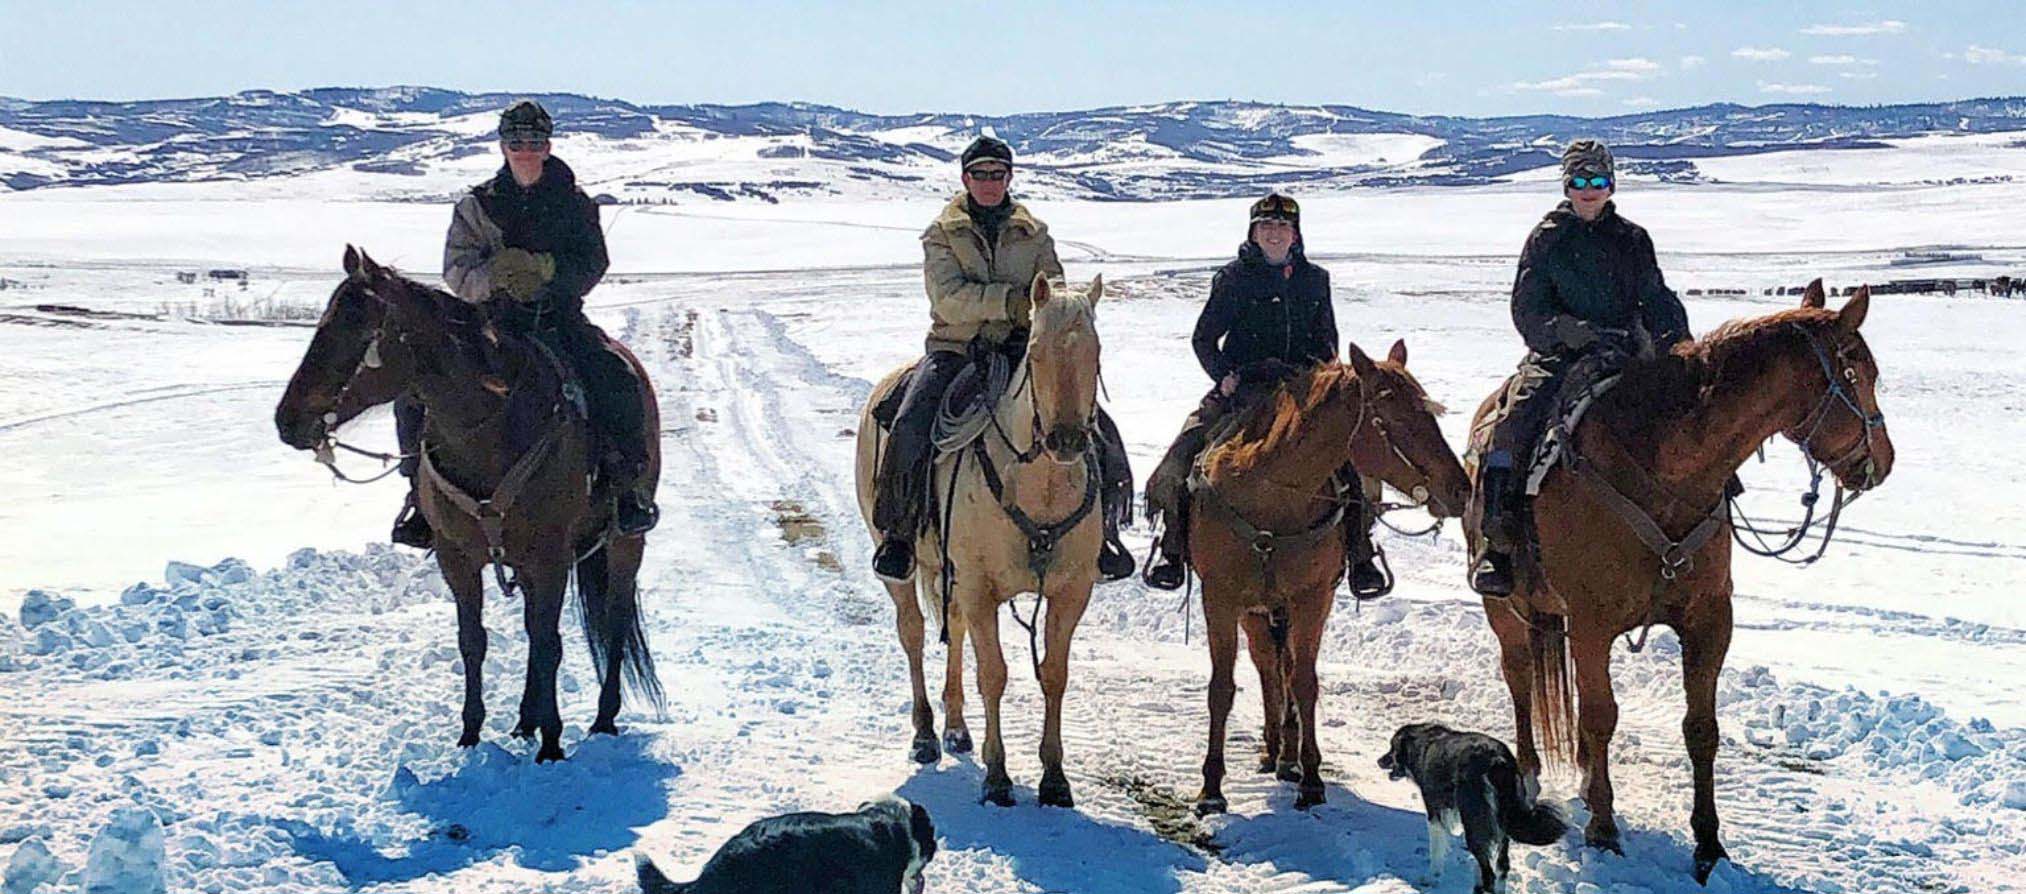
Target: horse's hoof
{"x": 999, "y": 794}
{"x": 549, "y": 753}
{"x": 925, "y": 751}
{"x": 524, "y": 731}
{"x": 1287, "y": 771}
{"x": 1055, "y": 793}
{"x": 957, "y": 741}
{"x": 1308, "y": 797}
{"x": 467, "y": 740}
{"x": 1268, "y": 762}
{"x": 1206, "y": 805}
{"x": 1706, "y": 860}
{"x": 1604, "y": 840}
{"x": 604, "y": 728}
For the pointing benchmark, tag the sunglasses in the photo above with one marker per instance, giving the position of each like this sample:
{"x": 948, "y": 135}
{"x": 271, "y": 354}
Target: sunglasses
{"x": 1588, "y": 182}
{"x": 1276, "y": 205}
{"x": 526, "y": 145}
{"x": 989, "y": 175}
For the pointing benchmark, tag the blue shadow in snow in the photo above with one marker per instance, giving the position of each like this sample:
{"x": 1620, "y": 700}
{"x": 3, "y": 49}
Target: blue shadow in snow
{"x": 1051, "y": 848}
{"x": 554, "y": 815}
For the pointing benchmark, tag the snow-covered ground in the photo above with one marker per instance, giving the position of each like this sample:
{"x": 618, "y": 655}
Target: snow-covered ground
{"x": 268, "y": 717}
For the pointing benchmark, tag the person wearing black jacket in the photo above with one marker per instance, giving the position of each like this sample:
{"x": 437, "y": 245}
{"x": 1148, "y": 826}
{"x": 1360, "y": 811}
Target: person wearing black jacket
{"x": 1588, "y": 289}
{"x": 526, "y": 245}
{"x": 1267, "y": 305}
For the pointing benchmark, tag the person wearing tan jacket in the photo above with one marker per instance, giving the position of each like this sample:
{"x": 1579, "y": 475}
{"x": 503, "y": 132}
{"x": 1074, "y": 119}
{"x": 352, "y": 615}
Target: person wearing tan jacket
{"x": 979, "y": 257}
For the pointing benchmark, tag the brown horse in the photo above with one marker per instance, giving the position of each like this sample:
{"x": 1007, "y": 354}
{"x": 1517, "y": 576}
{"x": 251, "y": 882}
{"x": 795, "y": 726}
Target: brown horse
{"x": 500, "y": 426}
{"x": 1022, "y": 519}
{"x": 1635, "y": 535}
{"x": 1267, "y": 537}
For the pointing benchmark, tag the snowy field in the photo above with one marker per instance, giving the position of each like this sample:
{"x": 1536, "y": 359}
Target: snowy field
{"x": 208, "y": 632}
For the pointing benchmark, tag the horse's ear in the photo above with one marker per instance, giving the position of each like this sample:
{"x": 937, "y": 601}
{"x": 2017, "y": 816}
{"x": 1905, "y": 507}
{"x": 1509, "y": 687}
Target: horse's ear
{"x": 352, "y": 263}
{"x": 1813, "y": 296}
{"x": 372, "y": 268}
{"x": 1399, "y": 352}
{"x": 1039, "y": 292}
{"x": 1360, "y": 364}
{"x": 1096, "y": 288}
{"x": 1852, "y": 314}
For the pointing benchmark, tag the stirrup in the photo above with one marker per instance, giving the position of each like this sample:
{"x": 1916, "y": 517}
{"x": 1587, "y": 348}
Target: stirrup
{"x": 1492, "y": 575}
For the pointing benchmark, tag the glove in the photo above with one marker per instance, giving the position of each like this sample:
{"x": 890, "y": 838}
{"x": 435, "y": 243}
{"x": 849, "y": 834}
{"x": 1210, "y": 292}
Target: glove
{"x": 521, "y": 273}
{"x": 1573, "y": 333}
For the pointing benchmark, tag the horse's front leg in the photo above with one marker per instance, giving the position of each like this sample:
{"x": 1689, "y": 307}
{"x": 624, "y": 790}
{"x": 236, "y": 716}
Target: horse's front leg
{"x": 1064, "y": 609}
{"x": 1597, "y": 720}
{"x": 1516, "y": 664}
{"x": 1266, "y": 655}
{"x": 1220, "y": 630}
{"x": 461, "y": 573}
{"x": 909, "y": 623}
{"x": 1704, "y": 641}
{"x": 542, "y": 591}
{"x": 1304, "y": 640}
{"x": 981, "y": 617}
{"x": 956, "y": 733}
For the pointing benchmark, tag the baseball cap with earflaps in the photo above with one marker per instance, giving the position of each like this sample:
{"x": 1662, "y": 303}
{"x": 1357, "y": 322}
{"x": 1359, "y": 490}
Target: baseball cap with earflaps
{"x": 987, "y": 149}
{"x": 1588, "y": 158}
{"x": 525, "y": 119}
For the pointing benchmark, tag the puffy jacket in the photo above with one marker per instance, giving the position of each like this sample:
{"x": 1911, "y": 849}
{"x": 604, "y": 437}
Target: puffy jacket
{"x": 1262, "y": 311}
{"x": 553, "y": 217}
{"x": 979, "y": 288}
{"x": 1601, "y": 272}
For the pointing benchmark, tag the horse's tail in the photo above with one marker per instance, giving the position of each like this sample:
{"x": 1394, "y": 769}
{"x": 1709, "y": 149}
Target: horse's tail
{"x": 651, "y": 880}
{"x": 1554, "y": 697}
{"x": 613, "y": 621}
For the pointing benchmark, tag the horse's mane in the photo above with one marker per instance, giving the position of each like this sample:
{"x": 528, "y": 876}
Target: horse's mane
{"x": 1276, "y": 417}
{"x": 1655, "y": 393}
{"x": 1065, "y": 308}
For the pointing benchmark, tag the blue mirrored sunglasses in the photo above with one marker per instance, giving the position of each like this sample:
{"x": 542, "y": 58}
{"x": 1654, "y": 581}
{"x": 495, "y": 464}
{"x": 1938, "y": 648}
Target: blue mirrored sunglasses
{"x": 1588, "y": 183}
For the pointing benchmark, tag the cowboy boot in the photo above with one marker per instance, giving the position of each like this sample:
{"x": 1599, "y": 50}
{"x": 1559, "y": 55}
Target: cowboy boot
{"x": 1171, "y": 567}
{"x": 1491, "y": 574}
{"x": 633, "y": 511}
{"x": 410, "y": 528}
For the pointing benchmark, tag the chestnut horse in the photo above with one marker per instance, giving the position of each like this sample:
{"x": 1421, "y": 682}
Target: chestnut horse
{"x": 1022, "y": 518}
{"x": 1633, "y": 533}
{"x": 504, "y": 477}
{"x": 1267, "y": 537}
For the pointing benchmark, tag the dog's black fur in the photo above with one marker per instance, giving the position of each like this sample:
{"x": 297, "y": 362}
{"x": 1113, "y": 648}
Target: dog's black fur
{"x": 878, "y": 849}
{"x": 1472, "y": 780}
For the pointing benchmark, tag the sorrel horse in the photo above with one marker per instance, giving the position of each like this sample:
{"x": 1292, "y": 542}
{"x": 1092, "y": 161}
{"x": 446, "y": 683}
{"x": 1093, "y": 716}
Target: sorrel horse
{"x": 1022, "y": 518}
{"x": 1267, "y": 537}
{"x": 1632, "y": 531}
{"x": 501, "y": 426}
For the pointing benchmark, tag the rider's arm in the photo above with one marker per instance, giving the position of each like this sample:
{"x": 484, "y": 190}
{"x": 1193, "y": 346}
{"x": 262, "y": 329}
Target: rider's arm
{"x": 1534, "y": 307}
{"x": 1322, "y": 346}
{"x": 955, "y": 297}
{"x": 466, "y": 252}
{"x": 1211, "y": 326}
{"x": 580, "y": 261}
{"x": 1659, "y": 308}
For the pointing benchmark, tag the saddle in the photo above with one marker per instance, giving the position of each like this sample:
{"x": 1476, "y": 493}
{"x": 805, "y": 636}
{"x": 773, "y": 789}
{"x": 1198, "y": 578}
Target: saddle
{"x": 1579, "y": 388}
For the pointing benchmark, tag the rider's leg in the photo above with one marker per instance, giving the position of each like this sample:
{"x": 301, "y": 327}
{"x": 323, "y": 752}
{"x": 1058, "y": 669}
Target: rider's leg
{"x": 410, "y": 528}
{"x": 1115, "y": 492}
{"x": 898, "y": 496}
{"x": 1168, "y": 491}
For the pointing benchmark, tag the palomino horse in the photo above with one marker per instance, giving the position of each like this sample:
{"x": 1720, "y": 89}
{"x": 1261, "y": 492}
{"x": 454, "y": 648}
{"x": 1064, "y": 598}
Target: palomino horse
{"x": 1267, "y": 537}
{"x": 499, "y": 425}
{"x": 1021, "y": 518}
{"x": 1635, "y": 534}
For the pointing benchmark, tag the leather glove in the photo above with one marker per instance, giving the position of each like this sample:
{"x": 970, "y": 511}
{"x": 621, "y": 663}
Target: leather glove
{"x": 1573, "y": 333}
{"x": 521, "y": 273}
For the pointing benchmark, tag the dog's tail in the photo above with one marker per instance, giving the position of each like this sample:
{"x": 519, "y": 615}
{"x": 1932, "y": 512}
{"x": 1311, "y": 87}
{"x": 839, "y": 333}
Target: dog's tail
{"x": 1520, "y": 811}
{"x": 651, "y": 879}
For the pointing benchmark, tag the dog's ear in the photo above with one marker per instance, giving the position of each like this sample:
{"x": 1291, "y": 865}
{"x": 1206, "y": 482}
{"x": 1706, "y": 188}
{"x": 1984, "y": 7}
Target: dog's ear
{"x": 922, "y": 829}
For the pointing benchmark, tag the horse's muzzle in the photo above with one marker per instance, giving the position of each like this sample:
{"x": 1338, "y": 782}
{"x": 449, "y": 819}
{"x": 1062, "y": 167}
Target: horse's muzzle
{"x": 300, "y": 430}
{"x": 1066, "y": 443}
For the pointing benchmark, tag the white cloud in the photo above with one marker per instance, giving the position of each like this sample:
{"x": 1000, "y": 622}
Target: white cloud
{"x": 1792, "y": 89}
{"x": 1594, "y": 26}
{"x": 1636, "y": 64}
{"x": 1841, "y": 60}
{"x": 1859, "y": 75}
{"x": 1977, "y": 55}
{"x": 1688, "y": 62}
{"x": 1581, "y": 83}
{"x": 1758, "y": 54}
{"x": 1642, "y": 102}
{"x": 1888, "y": 26}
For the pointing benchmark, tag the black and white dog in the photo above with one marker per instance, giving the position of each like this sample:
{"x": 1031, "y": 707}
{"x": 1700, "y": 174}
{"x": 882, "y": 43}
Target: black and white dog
{"x": 879, "y": 849}
{"x": 1470, "y": 784}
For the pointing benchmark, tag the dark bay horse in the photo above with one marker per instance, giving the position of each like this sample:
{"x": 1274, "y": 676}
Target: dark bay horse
{"x": 505, "y": 478}
{"x": 1635, "y": 534}
{"x": 1267, "y": 537}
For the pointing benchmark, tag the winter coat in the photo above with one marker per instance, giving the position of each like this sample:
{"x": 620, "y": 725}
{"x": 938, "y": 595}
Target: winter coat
{"x": 1601, "y": 272}
{"x": 552, "y": 217}
{"x": 1263, "y": 311}
{"x": 978, "y": 288}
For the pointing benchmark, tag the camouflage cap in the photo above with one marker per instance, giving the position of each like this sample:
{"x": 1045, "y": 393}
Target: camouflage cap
{"x": 525, "y": 120}
{"x": 1276, "y": 207}
{"x": 1588, "y": 158}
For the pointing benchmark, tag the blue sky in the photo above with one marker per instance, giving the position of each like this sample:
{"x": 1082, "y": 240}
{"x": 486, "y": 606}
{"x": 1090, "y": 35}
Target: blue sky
{"x": 1589, "y": 58}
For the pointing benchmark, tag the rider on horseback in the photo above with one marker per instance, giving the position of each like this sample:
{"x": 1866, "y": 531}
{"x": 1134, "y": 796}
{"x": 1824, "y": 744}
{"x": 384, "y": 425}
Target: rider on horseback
{"x": 526, "y": 244}
{"x": 980, "y": 256}
{"x": 1269, "y": 304}
{"x": 1588, "y": 289}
